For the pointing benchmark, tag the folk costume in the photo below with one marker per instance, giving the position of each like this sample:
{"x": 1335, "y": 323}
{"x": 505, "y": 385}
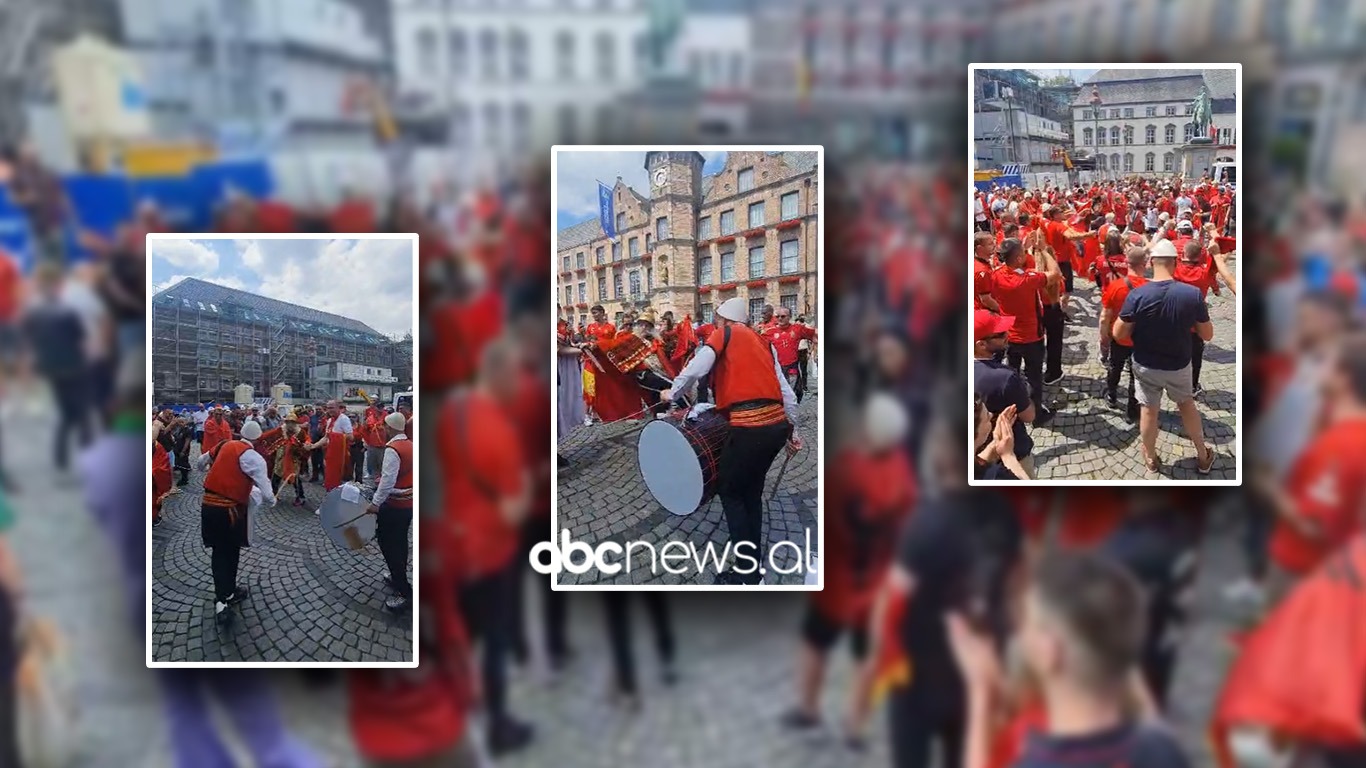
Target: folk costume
{"x": 235, "y": 469}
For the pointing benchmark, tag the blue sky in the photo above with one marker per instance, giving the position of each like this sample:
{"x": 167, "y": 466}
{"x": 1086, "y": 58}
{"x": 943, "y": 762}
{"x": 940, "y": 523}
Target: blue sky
{"x": 367, "y": 280}
{"x": 1078, "y": 75}
{"x": 578, "y": 173}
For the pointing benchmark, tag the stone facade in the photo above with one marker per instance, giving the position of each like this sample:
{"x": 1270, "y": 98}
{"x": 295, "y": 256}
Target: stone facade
{"x": 693, "y": 240}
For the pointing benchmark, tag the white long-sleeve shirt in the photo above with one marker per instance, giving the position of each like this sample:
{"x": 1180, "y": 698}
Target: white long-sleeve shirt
{"x": 388, "y": 473}
{"x": 253, "y": 466}
{"x": 702, "y": 362}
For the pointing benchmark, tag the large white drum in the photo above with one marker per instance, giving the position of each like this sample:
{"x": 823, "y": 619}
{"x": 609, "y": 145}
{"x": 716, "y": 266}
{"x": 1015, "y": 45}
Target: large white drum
{"x": 680, "y": 460}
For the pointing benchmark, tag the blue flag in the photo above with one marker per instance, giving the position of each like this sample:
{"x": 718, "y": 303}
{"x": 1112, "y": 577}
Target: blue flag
{"x": 606, "y": 211}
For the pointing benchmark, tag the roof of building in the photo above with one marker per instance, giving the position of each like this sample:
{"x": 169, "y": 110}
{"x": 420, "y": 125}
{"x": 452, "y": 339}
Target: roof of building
{"x": 582, "y": 233}
{"x": 232, "y": 303}
{"x": 1132, "y": 86}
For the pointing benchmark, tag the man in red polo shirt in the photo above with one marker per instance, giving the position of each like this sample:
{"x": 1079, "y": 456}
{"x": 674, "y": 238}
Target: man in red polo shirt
{"x": 487, "y": 496}
{"x": 981, "y": 273}
{"x": 1016, "y": 291}
{"x": 1197, "y": 269}
{"x": 786, "y": 338}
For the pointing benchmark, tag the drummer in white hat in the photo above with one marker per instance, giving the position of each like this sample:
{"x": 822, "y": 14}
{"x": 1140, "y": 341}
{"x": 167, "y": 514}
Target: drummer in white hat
{"x": 393, "y": 504}
{"x": 751, "y": 390}
{"x": 234, "y": 469}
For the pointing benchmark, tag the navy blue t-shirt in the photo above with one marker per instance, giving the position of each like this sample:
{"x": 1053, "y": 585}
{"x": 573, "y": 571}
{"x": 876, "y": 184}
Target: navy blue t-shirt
{"x": 1001, "y": 387}
{"x": 1163, "y": 314}
{"x": 1128, "y": 745}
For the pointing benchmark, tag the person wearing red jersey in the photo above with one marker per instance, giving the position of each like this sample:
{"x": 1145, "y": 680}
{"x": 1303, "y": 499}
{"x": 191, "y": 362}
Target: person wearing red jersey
{"x": 785, "y": 338}
{"x": 162, "y": 476}
{"x": 753, "y": 392}
{"x": 216, "y": 430}
{"x": 373, "y": 419}
{"x": 353, "y": 214}
{"x": 1017, "y": 290}
{"x": 981, "y": 273}
{"x": 1120, "y": 350}
{"x": 1197, "y": 269}
{"x": 234, "y": 470}
{"x": 486, "y": 502}
{"x": 392, "y": 505}
{"x": 874, "y": 489}
{"x": 765, "y": 319}
{"x": 1320, "y": 506}
{"x": 1061, "y": 236}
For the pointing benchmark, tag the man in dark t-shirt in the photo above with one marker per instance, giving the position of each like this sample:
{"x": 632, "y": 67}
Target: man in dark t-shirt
{"x": 1159, "y": 318}
{"x": 999, "y": 385}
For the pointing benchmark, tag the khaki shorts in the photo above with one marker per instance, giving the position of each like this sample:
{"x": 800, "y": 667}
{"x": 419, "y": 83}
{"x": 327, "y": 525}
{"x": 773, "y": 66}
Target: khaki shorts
{"x": 1150, "y": 383}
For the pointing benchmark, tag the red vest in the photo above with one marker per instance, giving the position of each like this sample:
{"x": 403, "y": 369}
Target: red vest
{"x": 404, "y": 482}
{"x": 226, "y": 477}
{"x": 744, "y": 370}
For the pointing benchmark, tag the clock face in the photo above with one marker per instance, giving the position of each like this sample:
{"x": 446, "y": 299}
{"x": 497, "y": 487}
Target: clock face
{"x": 661, "y": 176}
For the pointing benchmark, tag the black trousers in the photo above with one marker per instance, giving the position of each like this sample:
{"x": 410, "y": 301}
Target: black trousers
{"x": 1031, "y": 355}
{"x": 1197, "y": 358}
{"x": 1066, "y": 267}
{"x": 317, "y": 463}
{"x": 357, "y": 461}
{"x": 73, "y": 407}
{"x": 915, "y": 733}
{"x": 486, "y": 602}
{"x": 1119, "y": 355}
{"x": 749, "y": 453}
{"x": 224, "y": 564}
{"x": 9, "y": 663}
{"x": 276, "y": 481}
{"x": 554, "y": 605}
{"x": 618, "y": 613}
{"x": 1053, "y": 330}
{"x": 391, "y": 531}
{"x": 803, "y": 359}
{"x": 794, "y": 375}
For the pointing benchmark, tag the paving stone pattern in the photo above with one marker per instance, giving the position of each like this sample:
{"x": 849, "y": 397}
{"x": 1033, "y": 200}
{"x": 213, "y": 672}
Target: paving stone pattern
{"x": 602, "y": 497}
{"x": 1088, "y": 440}
{"x": 310, "y": 600}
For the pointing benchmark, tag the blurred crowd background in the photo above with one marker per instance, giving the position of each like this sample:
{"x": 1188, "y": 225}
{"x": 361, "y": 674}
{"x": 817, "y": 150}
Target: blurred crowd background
{"x": 121, "y": 117}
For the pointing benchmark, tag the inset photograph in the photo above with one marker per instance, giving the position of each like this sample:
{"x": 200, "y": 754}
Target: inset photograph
{"x": 284, "y": 477}
{"x": 1106, "y": 322}
{"x": 688, "y": 426}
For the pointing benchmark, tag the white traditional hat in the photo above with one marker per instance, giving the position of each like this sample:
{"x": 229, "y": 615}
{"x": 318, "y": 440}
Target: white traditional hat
{"x": 395, "y": 421}
{"x": 734, "y": 309}
{"x": 251, "y": 430}
{"x": 884, "y": 421}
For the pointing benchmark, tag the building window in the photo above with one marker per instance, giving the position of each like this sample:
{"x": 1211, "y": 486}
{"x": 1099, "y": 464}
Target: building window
{"x": 426, "y": 50}
{"x": 1169, "y": 134}
{"x": 597, "y": 255}
{"x": 569, "y": 124}
{"x": 788, "y": 301}
{"x": 745, "y": 179}
{"x": 756, "y": 262}
{"x": 566, "y": 262}
{"x": 621, "y": 222}
{"x": 602, "y": 289}
{"x": 1128, "y": 162}
{"x": 1128, "y": 113}
{"x": 704, "y": 271}
{"x": 789, "y": 203}
{"x": 633, "y": 247}
{"x": 616, "y": 284}
{"x": 788, "y": 253}
{"x": 1114, "y": 135}
{"x": 1150, "y": 135}
{"x": 1086, "y": 114}
{"x": 1150, "y": 162}
{"x": 1171, "y": 110}
{"x": 519, "y": 57}
{"x": 616, "y": 251}
{"x": 756, "y": 307}
{"x": 1087, "y": 137}
{"x": 728, "y": 267}
{"x": 756, "y": 215}
{"x": 727, "y": 223}
{"x": 1190, "y": 132}
{"x": 1100, "y": 137}
{"x": 459, "y": 47}
{"x": 1114, "y": 114}
{"x": 1100, "y": 162}
{"x": 1168, "y": 162}
{"x": 488, "y": 54}
{"x": 1128, "y": 134}
{"x": 578, "y": 260}
{"x": 704, "y": 228}
{"x": 521, "y": 125}
{"x": 493, "y": 124}
{"x": 661, "y": 229}
{"x": 647, "y": 243}
{"x": 460, "y": 126}
{"x": 1114, "y": 162}
{"x": 583, "y": 292}
{"x": 564, "y": 54}
{"x": 606, "y": 50}
{"x": 1190, "y": 109}
{"x": 1150, "y": 112}
{"x": 705, "y": 313}
{"x": 635, "y": 285}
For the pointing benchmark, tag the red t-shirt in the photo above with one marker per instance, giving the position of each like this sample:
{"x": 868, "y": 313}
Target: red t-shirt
{"x": 1056, "y": 232}
{"x": 10, "y": 282}
{"x": 533, "y": 429}
{"x": 1327, "y": 484}
{"x": 785, "y": 341}
{"x": 481, "y": 458}
{"x": 600, "y": 331}
{"x": 1017, "y": 293}
{"x": 1202, "y": 275}
{"x": 1116, "y": 291}
{"x": 981, "y": 281}
{"x": 459, "y": 333}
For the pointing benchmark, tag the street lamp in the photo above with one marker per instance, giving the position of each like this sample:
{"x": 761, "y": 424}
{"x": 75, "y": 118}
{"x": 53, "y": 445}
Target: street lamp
{"x": 1095, "y": 113}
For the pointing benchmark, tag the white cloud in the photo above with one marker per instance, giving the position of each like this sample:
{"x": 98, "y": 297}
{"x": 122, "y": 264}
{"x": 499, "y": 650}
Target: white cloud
{"x": 185, "y": 254}
{"x": 366, "y": 280}
{"x": 250, "y": 253}
{"x": 223, "y": 280}
{"x": 577, "y": 174}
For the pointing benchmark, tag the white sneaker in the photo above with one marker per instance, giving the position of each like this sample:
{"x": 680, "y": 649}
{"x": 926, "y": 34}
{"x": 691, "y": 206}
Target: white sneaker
{"x": 219, "y": 608}
{"x": 1244, "y": 590}
{"x": 318, "y": 512}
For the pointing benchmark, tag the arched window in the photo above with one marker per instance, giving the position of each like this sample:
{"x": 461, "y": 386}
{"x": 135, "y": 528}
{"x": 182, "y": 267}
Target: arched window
{"x": 488, "y": 54}
{"x": 1169, "y": 162}
{"x": 1114, "y": 135}
{"x": 1150, "y": 135}
{"x": 1114, "y": 162}
{"x": 1128, "y": 162}
{"x": 1169, "y": 134}
{"x": 1190, "y": 132}
{"x": 426, "y": 50}
{"x": 1100, "y": 162}
{"x": 1086, "y": 137}
{"x": 1150, "y": 162}
{"x": 519, "y": 56}
{"x": 1128, "y": 134}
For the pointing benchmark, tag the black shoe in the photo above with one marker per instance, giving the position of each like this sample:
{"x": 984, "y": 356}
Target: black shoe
{"x": 1043, "y": 416}
{"x": 1053, "y": 380}
{"x": 1198, "y": 391}
{"x": 797, "y": 720}
{"x": 1111, "y": 400}
{"x": 669, "y": 675}
{"x": 238, "y": 595}
{"x": 396, "y": 603}
{"x": 156, "y": 521}
{"x": 509, "y": 735}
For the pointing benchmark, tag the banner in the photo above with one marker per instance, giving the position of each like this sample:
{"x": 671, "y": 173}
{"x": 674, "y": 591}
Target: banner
{"x": 607, "y": 211}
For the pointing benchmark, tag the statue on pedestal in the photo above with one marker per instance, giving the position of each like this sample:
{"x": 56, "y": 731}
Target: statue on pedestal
{"x": 666, "y": 21}
{"x": 1202, "y": 116}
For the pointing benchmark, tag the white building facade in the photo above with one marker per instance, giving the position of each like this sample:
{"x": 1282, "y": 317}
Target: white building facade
{"x": 1144, "y": 118}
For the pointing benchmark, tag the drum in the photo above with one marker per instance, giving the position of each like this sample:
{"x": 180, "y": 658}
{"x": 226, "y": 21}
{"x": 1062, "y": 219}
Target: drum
{"x": 344, "y": 520}
{"x": 680, "y": 460}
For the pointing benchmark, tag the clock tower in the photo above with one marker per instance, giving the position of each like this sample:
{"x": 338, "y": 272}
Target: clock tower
{"x": 675, "y": 196}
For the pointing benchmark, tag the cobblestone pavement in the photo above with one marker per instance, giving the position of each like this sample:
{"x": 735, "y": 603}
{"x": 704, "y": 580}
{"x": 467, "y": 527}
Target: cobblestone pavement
{"x": 602, "y": 497}
{"x": 310, "y": 600}
{"x": 1088, "y": 440}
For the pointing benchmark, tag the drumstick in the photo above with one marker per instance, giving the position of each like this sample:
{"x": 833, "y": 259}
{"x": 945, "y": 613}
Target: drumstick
{"x": 781, "y": 470}
{"x": 352, "y": 520}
